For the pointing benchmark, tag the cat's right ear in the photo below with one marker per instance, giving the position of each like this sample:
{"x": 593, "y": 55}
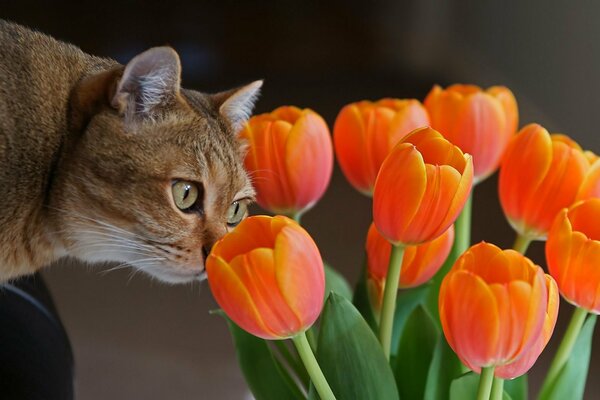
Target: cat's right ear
{"x": 150, "y": 81}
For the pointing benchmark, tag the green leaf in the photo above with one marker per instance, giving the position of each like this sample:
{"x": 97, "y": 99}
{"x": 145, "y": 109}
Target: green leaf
{"x": 415, "y": 353}
{"x": 362, "y": 303}
{"x": 335, "y": 282}
{"x": 445, "y": 367}
{"x": 266, "y": 377}
{"x": 406, "y": 302}
{"x": 517, "y": 388}
{"x": 570, "y": 382}
{"x": 350, "y": 355}
{"x": 464, "y": 387}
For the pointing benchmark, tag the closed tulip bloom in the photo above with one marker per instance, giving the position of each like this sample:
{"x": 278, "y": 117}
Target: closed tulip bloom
{"x": 267, "y": 275}
{"x": 573, "y": 254}
{"x": 365, "y": 132}
{"x": 493, "y": 306}
{"x": 421, "y": 188}
{"x": 290, "y": 159}
{"x": 540, "y": 175}
{"x": 480, "y": 122}
{"x": 419, "y": 263}
{"x": 590, "y": 187}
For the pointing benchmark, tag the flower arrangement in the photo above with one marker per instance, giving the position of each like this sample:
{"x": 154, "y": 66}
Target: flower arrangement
{"x": 433, "y": 316}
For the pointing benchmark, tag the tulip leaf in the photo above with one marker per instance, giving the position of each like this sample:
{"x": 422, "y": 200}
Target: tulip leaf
{"x": 350, "y": 356}
{"x": 335, "y": 282}
{"x": 445, "y": 367}
{"x": 570, "y": 382}
{"x": 265, "y": 376}
{"x": 517, "y": 388}
{"x": 415, "y": 353}
{"x": 362, "y": 303}
{"x": 406, "y": 302}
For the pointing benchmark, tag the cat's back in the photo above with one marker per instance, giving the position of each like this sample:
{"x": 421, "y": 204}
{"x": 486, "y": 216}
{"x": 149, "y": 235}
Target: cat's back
{"x": 37, "y": 74}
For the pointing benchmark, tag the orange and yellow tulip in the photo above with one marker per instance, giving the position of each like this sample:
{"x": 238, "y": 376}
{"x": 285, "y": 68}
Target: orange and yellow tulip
{"x": 267, "y": 275}
{"x": 419, "y": 263}
{"x": 480, "y": 122}
{"x": 365, "y": 132}
{"x": 421, "y": 188}
{"x": 495, "y": 308}
{"x": 573, "y": 254}
{"x": 290, "y": 158}
{"x": 540, "y": 174}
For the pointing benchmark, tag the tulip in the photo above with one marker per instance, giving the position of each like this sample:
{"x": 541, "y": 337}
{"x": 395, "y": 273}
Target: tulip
{"x": 480, "y": 122}
{"x": 365, "y": 132}
{"x": 419, "y": 263}
{"x": 573, "y": 254}
{"x": 590, "y": 187}
{"x": 494, "y": 307}
{"x": 421, "y": 188}
{"x": 540, "y": 174}
{"x": 290, "y": 159}
{"x": 267, "y": 275}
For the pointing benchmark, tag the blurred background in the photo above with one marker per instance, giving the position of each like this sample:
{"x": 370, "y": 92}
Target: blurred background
{"x": 134, "y": 338}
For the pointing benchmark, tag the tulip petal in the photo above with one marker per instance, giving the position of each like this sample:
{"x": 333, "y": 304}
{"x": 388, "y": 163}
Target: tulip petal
{"x": 403, "y": 171}
{"x": 590, "y": 187}
{"x": 299, "y": 266}
{"x": 233, "y": 297}
{"x": 257, "y": 272}
{"x": 469, "y": 316}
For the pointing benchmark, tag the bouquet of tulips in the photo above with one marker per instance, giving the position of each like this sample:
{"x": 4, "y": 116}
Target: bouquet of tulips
{"x": 433, "y": 317}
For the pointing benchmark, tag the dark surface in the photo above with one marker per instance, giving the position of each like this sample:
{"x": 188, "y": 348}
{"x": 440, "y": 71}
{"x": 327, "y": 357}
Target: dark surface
{"x": 36, "y": 362}
{"x": 134, "y": 338}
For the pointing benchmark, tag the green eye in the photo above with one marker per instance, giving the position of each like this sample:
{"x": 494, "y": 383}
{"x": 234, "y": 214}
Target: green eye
{"x": 236, "y": 213}
{"x": 185, "y": 194}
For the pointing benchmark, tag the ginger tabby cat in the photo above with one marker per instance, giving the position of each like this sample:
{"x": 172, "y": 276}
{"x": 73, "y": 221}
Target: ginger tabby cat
{"x": 110, "y": 163}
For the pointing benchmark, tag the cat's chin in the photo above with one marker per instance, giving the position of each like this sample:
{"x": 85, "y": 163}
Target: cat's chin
{"x": 172, "y": 277}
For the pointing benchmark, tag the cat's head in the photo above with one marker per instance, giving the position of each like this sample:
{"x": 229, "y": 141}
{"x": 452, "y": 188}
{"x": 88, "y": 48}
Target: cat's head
{"x": 156, "y": 176}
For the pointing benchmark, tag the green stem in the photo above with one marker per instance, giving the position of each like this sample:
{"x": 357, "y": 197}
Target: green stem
{"x": 566, "y": 346}
{"x": 312, "y": 340}
{"x": 296, "y": 217}
{"x": 522, "y": 243}
{"x": 390, "y": 293}
{"x": 310, "y": 362}
{"x": 497, "y": 389}
{"x": 485, "y": 383}
{"x": 462, "y": 227}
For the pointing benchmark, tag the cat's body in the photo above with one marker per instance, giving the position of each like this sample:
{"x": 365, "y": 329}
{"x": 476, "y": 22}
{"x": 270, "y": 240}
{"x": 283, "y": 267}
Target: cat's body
{"x": 90, "y": 152}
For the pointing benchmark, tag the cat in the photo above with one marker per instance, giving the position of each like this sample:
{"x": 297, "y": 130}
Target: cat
{"x": 110, "y": 163}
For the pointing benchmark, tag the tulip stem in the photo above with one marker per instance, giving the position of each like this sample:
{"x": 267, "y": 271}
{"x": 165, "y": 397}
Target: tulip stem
{"x": 462, "y": 227}
{"x": 485, "y": 383}
{"x": 522, "y": 243}
{"x": 566, "y": 345}
{"x": 296, "y": 217}
{"x": 312, "y": 367}
{"x": 390, "y": 292}
{"x": 497, "y": 389}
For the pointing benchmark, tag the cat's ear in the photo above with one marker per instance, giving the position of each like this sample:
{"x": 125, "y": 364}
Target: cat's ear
{"x": 236, "y": 105}
{"x": 150, "y": 80}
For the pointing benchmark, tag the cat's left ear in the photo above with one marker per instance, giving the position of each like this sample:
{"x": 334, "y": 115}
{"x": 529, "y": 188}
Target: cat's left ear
{"x": 150, "y": 80}
{"x": 236, "y": 105}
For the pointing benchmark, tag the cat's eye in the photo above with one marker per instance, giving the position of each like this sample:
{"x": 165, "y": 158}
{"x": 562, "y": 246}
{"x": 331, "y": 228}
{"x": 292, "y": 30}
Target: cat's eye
{"x": 236, "y": 213}
{"x": 185, "y": 194}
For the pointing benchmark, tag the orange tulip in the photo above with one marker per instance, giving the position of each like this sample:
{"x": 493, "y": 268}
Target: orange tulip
{"x": 365, "y": 132}
{"x": 419, "y": 263}
{"x": 573, "y": 254}
{"x": 290, "y": 158}
{"x": 267, "y": 275}
{"x": 540, "y": 174}
{"x": 480, "y": 122}
{"x": 421, "y": 188}
{"x": 524, "y": 363}
{"x": 590, "y": 187}
{"x": 494, "y": 305}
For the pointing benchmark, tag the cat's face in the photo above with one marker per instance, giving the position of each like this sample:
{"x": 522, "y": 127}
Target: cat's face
{"x": 155, "y": 182}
